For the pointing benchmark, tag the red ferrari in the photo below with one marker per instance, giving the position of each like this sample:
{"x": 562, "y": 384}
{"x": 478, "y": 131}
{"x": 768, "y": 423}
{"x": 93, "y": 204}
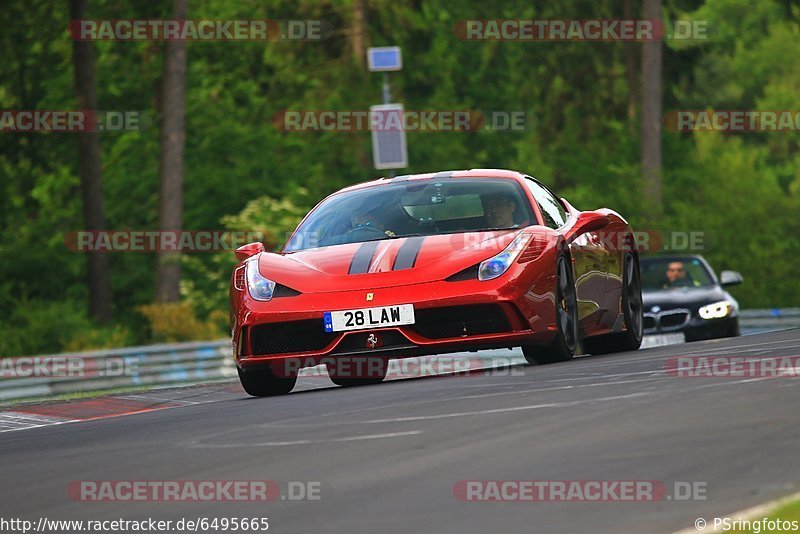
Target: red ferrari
{"x": 429, "y": 264}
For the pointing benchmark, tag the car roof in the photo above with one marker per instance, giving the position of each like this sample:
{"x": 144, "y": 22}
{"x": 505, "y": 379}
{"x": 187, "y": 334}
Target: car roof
{"x": 464, "y": 173}
{"x": 675, "y": 257}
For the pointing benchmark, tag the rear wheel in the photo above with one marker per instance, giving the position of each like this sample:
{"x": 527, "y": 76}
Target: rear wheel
{"x": 631, "y": 338}
{"x": 563, "y": 346}
{"x": 263, "y": 383}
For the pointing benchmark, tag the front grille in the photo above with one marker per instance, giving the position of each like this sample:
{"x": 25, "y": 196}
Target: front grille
{"x": 459, "y": 321}
{"x": 295, "y": 336}
{"x": 673, "y": 319}
{"x": 666, "y": 320}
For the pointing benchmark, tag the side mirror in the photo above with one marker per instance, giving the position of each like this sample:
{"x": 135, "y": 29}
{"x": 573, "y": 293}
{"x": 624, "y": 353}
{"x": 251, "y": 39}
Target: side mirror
{"x": 588, "y": 221}
{"x": 730, "y": 278}
{"x": 250, "y": 249}
{"x": 567, "y": 206}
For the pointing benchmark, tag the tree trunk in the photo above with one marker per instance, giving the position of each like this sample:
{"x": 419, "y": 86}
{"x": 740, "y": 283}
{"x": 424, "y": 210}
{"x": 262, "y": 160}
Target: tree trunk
{"x": 358, "y": 32}
{"x": 173, "y": 140}
{"x": 651, "y": 115}
{"x": 629, "y": 50}
{"x": 91, "y": 174}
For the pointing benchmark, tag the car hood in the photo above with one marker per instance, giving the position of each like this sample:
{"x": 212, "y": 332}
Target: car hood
{"x": 383, "y": 263}
{"x": 691, "y": 298}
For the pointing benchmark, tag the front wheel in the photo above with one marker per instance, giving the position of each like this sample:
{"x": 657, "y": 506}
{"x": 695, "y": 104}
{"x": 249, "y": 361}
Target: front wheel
{"x": 263, "y": 383}
{"x": 358, "y": 372}
{"x": 563, "y": 346}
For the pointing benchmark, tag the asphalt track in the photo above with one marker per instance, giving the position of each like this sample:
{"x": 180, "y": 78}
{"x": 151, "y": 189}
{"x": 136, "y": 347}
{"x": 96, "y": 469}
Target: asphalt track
{"x": 388, "y": 456}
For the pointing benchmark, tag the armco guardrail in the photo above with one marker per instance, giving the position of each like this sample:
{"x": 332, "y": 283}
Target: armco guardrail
{"x": 755, "y": 321}
{"x": 192, "y": 363}
{"x": 178, "y": 363}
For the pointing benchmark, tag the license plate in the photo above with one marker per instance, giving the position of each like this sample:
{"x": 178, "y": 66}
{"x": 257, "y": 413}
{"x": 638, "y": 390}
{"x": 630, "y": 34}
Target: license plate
{"x": 660, "y": 340}
{"x": 364, "y": 318}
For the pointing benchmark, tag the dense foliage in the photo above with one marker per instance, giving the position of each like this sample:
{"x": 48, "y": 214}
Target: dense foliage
{"x": 742, "y": 190}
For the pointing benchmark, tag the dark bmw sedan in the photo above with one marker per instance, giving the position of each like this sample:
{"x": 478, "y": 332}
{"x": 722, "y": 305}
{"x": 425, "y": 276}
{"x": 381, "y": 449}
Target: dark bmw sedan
{"x": 683, "y": 298}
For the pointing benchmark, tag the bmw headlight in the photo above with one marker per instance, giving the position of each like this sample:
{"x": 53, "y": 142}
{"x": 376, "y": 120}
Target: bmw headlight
{"x": 497, "y": 265}
{"x": 717, "y": 310}
{"x": 260, "y": 288}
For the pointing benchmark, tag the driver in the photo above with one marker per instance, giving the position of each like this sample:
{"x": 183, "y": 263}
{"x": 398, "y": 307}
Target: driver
{"x": 676, "y": 275}
{"x": 369, "y": 220}
{"x": 366, "y": 220}
{"x": 498, "y": 209}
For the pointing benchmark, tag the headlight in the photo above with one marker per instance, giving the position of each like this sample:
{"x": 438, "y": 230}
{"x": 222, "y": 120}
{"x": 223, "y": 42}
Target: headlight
{"x": 497, "y": 265}
{"x": 718, "y": 310}
{"x": 260, "y": 288}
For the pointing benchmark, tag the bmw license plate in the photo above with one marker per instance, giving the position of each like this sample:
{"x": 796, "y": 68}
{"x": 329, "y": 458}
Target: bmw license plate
{"x": 661, "y": 340}
{"x": 338, "y": 321}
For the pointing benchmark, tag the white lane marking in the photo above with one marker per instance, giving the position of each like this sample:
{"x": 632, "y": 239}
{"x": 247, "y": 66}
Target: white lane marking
{"x": 557, "y": 388}
{"x": 159, "y": 399}
{"x": 645, "y": 358}
{"x": 728, "y": 382}
{"x": 537, "y": 406}
{"x": 307, "y": 441}
{"x": 439, "y": 401}
{"x": 765, "y": 345}
{"x": 502, "y": 410}
{"x": 12, "y": 421}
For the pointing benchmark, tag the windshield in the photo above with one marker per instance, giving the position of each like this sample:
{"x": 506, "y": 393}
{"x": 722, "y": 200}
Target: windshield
{"x": 674, "y": 273}
{"x": 414, "y": 208}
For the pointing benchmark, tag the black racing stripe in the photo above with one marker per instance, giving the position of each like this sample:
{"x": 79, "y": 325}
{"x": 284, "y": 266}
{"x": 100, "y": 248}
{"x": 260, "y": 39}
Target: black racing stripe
{"x": 407, "y": 255}
{"x": 361, "y": 260}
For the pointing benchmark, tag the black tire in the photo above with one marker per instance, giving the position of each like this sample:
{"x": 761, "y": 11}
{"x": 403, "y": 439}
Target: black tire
{"x": 735, "y": 331}
{"x": 632, "y": 309}
{"x": 347, "y": 382}
{"x": 563, "y": 346}
{"x": 263, "y": 383}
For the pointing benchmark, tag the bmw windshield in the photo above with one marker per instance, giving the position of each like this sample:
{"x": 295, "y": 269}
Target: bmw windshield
{"x": 674, "y": 273}
{"x": 414, "y": 208}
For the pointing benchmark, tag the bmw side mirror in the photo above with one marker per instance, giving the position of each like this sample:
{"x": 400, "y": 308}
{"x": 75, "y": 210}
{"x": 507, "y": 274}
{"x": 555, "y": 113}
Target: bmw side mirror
{"x": 730, "y": 278}
{"x": 250, "y": 249}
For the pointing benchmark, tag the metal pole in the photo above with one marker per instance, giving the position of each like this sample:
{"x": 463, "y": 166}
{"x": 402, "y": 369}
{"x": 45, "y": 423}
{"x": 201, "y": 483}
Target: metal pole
{"x": 387, "y": 94}
{"x": 387, "y": 97}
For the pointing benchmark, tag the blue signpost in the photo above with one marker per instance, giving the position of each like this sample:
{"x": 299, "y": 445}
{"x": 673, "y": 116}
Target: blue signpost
{"x": 389, "y": 149}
